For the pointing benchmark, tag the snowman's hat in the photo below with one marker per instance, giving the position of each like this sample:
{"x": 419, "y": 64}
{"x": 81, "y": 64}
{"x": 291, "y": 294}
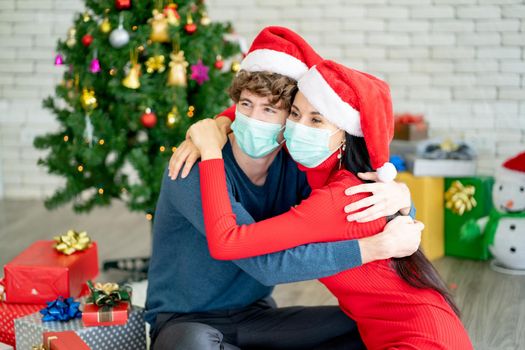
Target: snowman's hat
{"x": 513, "y": 169}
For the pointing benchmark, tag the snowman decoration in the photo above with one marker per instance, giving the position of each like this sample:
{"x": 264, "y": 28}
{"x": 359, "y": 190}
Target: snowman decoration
{"x": 504, "y": 228}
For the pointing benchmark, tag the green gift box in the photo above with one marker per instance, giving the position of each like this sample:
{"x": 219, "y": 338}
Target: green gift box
{"x": 480, "y": 188}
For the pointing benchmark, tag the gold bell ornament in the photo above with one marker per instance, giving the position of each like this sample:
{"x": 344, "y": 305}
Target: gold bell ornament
{"x": 159, "y": 27}
{"x": 131, "y": 81}
{"x": 178, "y": 65}
{"x": 71, "y": 39}
{"x": 105, "y": 25}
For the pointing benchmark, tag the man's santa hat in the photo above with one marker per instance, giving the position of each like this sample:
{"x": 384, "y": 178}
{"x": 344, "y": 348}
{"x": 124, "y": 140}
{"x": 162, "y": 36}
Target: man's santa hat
{"x": 513, "y": 169}
{"x": 280, "y": 50}
{"x": 358, "y": 103}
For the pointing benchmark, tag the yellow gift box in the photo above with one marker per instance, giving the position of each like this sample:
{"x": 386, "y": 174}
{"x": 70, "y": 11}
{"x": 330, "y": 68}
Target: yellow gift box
{"x": 428, "y": 198}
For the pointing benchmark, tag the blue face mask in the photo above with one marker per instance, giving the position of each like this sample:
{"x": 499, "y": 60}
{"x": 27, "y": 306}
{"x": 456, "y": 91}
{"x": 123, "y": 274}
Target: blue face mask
{"x": 256, "y": 138}
{"x": 308, "y": 146}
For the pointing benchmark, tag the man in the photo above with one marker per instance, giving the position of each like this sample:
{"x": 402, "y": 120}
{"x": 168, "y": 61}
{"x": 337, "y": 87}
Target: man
{"x": 196, "y": 302}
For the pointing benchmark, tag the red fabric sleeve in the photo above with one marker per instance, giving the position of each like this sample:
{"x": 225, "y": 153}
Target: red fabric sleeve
{"x": 228, "y": 112}
{"x": 319, "y": 218}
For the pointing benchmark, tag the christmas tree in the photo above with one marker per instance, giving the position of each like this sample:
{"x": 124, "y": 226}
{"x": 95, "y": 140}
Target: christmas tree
{"x": 137, "y": 74}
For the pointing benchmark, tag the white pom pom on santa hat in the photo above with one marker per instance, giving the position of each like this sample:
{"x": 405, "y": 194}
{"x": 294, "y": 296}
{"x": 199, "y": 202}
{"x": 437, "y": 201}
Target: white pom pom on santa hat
{"x": 357, "y": 103}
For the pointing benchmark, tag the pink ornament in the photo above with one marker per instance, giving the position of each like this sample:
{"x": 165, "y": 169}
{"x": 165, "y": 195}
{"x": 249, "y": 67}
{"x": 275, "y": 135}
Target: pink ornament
{"x": 95, "y": 66}
{"x": 59, "y": 60}
{"x": 199, "y": 72}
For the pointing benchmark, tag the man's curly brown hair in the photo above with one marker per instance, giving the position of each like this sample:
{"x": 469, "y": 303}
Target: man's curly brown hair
{"x": 278, "y": 88}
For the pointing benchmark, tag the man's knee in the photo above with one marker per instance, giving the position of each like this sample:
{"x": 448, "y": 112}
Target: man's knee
{"x": 188, "y": 336}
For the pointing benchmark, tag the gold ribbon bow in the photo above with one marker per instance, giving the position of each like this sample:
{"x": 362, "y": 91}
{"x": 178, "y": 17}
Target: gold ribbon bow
{"x": 155, "y": 64}
{"x": 459, "y": 198}
{"x": 72, "y": 242}
{"x": 107, "y": 288}
{"x": 42, "y": 347}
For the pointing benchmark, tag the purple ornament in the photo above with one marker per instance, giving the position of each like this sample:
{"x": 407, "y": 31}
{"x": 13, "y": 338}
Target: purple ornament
{"x": 95, "y": 66}
{"x": 59, "y": 60}
{"x": 199, "y": 72}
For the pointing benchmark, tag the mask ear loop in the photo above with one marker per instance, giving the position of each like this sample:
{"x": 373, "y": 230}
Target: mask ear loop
{"x": 284, "y": 140}
{"x": 342, "y": 149}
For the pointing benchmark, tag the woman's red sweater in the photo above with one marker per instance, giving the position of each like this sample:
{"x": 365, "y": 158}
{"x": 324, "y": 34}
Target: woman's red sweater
{"x": 389, "y": 313}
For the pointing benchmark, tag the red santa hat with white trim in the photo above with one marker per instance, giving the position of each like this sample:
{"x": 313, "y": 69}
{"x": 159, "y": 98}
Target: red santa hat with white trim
{"x": 280, "y": 50}
{"x": 358, "y": 103}
{"x": 513, "y": 169}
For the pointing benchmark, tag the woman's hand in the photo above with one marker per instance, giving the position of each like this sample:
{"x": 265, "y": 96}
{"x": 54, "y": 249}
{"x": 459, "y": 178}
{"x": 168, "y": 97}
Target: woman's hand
{"x": 401, "y": 237}
{"x": 386, "y": 199}
{"x": 208, "y": 139}
{"x": 186, "y": 154}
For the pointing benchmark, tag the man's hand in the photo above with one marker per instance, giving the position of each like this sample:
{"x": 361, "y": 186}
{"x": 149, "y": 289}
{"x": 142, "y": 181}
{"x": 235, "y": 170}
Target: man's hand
{"x": 386, "y": 199}
{"x": 207, "y": 137}
{"x": 187, "y": 154}
{"x": 401, "y": 237}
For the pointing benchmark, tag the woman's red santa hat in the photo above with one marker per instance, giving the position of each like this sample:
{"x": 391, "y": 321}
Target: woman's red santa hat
{"x": 280, "y": 50}
{"x": 358, "y": 103}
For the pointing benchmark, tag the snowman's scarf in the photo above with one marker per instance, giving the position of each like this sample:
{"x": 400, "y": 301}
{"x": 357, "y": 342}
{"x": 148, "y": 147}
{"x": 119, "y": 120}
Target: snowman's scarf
{"x": 494, "y": 220}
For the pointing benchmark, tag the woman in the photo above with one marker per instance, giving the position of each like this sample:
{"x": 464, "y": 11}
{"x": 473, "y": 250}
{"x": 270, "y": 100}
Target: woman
{"x": 341, "y": 123}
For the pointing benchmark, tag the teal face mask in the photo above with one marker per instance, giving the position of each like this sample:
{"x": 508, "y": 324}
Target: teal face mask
{"x": 256, "y": 138}
{"x": 308, "y": 146}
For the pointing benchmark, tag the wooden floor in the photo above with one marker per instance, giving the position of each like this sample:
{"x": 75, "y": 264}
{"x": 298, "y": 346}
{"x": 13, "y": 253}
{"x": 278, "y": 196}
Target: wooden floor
{"x": 493, "y": 304}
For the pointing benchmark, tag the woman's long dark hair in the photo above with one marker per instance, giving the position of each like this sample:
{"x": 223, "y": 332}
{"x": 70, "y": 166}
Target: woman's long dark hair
{"x": 415, "y": 269}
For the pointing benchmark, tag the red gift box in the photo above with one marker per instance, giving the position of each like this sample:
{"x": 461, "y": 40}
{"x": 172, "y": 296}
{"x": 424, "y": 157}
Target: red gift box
{"x": 8, "y": 313}
{"x": 66, "y": 340}
{"x": 410, "y": 127}
{"x": 94, "y": 315}
{"x": 41, "y": 273}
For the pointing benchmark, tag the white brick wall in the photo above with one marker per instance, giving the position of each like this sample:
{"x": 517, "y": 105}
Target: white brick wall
{"x": 460, "y": 62}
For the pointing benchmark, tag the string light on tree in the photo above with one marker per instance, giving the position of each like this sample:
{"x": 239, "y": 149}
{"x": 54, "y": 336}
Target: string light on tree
{"x": 190, "y": 112}
{"x": 173, "y": 118}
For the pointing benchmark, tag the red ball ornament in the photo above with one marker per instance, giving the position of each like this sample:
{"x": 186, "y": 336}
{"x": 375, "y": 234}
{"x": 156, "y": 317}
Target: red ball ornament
{"x": 190, "y": 28}
{"x": 219, "y": 63}
{"x": 87, "y": 40}
{"x": 122, "y": 4}
{"x": 148, "y": 119}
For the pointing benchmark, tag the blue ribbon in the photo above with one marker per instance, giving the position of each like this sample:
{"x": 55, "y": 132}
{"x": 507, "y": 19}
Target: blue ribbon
{"x": 399, "y": 162}
{"x": 61, "y": 310}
